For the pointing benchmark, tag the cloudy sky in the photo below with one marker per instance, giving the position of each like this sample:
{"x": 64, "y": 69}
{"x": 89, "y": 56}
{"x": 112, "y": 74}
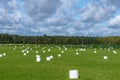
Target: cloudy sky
{"x": 60, "y": 17}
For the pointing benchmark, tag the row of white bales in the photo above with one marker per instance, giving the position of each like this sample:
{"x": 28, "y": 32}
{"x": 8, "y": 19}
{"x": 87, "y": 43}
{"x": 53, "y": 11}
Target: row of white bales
{"x": 26, "y": 50}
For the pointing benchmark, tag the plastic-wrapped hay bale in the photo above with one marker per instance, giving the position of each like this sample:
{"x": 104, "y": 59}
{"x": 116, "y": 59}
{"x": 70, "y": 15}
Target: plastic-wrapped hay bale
{"x": 77, "y": 53}
{"x": 76, "y": 49}
{"x": 4, "y": 54}
{"x": 47, "y": 58}
{"x": 38, "y": 59}
{"x": 62, "y": 51}
{"x": 114, "y": 52}
{"x": 84, "y": 49}
{"x": 1, "y": 55}
{"x": 51, "y": 57}
{"x": 24, "y": 54}
{"x": 105, "y": 57}
{"x": 37, "y": 56}
{"x": 36, "y": 51}
{"x": 27, "y": 52}
{"x": 73, "y": 74}
{"x": 65, "y": 49}
{"x": 49, "y": 50}
{"x": 95, "y": 52}
{"x": 23, "y": 51}
{"x": 44, "y": 51}
{"x": 59, "y": 55}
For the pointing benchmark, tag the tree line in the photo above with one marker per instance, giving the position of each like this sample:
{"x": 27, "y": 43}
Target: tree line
{"x": 17, "y": 39}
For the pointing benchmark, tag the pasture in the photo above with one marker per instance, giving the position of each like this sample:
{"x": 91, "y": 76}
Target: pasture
{"x": 19, "y": 62}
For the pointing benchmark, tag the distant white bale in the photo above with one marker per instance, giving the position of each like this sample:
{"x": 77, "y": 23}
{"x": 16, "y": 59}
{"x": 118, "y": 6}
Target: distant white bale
{"x": 62, "y": 51}
{"x": 36, "y": 51}
{"x": 73, "y": 74}
{"x": 65, "y": 49}
{"x": 77, "y": 53}
{"x": 114, "y": 52}
{"x": 51, "y": 57}
{"x": 84, "y": 49}
{"x": 108, "y": 49}
{"x": 44, "y": 51}
{"x": 51, "y": 47}
{"x": 24, "y": 54}
{"x": 14, "y": 48}
{"x": 59, "y": 48}
{"x": 76, "y": 49}
{"x": 95, "y": 52}
{"x": 37, "y": 56}
{"x": 59, "y": 55}
{"x": 23, "y": 51}
{"x": 1, "y": 55}
{"x": 44, "y": 47}
{"x": 49, "y": 50}
{"x": 4, "y": 54}
{"x": 80, "y": 49}
{"x": 28, "y": 47}
{"x": 38, "y": 59}
{"x": 27, "y": 52}
{"x": 105, "y": 57}
{"x": 100, "y": 48}
{"x": 47, "y": 58}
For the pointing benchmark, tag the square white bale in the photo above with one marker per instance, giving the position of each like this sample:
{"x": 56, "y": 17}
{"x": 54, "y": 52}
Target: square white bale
{"x": 73, "y": 74}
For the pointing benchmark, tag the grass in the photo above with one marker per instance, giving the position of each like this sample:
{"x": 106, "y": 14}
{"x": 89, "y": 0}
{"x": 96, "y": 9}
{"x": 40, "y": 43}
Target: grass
{"x": 91, "y": 66}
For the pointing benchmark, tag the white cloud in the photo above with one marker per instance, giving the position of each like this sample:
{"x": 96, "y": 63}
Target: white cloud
{"x": 97, "y": 11}
{"x": 114, "y": 22}
{"x": 41, "y": 9}
{"x": 71, "y": 31}
{"x": 13, "y": 4}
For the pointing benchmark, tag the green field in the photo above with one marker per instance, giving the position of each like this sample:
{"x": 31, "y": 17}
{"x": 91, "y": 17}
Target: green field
{"x": 91, "y": 66}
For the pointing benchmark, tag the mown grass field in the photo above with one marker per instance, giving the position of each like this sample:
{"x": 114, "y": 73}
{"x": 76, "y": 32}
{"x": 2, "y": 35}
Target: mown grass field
{"x": 91, "y": 66}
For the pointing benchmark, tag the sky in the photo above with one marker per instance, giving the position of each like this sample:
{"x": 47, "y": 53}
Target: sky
{"x": 60, "y": 17}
